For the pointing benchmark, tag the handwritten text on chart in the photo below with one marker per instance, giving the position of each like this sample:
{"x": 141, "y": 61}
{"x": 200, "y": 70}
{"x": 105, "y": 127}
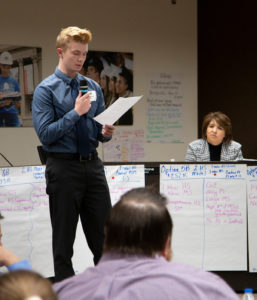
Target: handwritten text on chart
{"x": 22, "y": 198}
{"x": 24, "y": 189}
{"x": 123, "y": 178}
{"x": 216, "y": 201}
{"x": 164, "y": 112}
{"x": 200, "y": 171}
{"x": 208, "y": 207}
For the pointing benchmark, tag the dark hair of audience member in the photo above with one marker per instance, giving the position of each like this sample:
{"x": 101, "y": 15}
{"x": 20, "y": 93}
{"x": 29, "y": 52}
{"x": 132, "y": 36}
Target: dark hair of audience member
{"x": 138, "y": 224}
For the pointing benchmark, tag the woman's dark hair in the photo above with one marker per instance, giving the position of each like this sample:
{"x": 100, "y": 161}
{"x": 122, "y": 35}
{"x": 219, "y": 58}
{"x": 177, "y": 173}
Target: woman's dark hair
{"x": 127, "y": 75}
{"x": 138, "y": 224}
{"x": 223, "y": 121}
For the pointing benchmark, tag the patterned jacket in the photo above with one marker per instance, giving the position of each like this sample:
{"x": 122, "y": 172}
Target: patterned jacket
{"x": 198, "y": 150}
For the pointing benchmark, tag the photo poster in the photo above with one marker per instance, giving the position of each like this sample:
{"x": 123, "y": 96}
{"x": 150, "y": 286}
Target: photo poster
{"x": 114, "y": 73}
{"x": 208, "y": 207}
{"x": 252, "y": 217}
{"x": 126, "y": 145}
{"x": 165, "y": 120}
{"x": 26, "y": 226}
{"x": 17, "y": 83}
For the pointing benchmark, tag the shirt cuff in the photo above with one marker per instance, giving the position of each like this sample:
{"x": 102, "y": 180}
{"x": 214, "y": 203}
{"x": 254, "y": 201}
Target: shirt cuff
{"x": 74, "y": 115}
{"x": 20, "y": 265}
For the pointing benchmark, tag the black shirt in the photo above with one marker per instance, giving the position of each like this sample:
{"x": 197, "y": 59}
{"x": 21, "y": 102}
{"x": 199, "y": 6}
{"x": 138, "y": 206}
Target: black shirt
{"x": 215, "y": 152}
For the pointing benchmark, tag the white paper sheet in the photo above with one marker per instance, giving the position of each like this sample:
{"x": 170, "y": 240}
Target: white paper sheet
{"x": 116, "y": 110}
{"x": 26, "y": 225}
{"x": 252, "y": 216}
{"x": 208, "y": 207}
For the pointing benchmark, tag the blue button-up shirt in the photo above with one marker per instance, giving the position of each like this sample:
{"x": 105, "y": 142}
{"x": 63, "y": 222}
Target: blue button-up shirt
{"x": 54, "y": 117}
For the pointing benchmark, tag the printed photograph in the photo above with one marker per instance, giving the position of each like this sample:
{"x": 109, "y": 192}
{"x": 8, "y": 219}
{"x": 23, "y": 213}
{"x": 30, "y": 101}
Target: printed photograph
{"x": 114, "y": 72}
{"x": 20, "y": 73}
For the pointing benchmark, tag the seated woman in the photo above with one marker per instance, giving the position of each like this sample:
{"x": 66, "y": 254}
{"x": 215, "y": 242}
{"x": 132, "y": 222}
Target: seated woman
{"x": 216, "y": 143}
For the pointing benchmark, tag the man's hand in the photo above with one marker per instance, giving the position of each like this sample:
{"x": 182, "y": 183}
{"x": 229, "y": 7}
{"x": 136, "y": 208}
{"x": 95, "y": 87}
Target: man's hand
{"x": 107, "y": 130}
{"x": 7, "y": 258}
{"x": 82, "y": 104}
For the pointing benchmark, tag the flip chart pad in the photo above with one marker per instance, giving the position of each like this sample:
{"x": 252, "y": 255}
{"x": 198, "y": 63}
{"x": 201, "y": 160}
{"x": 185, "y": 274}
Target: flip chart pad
{"x": 208, "y": 207}
{"x": 252, "y": 217}
{"x": 26, "y": 225}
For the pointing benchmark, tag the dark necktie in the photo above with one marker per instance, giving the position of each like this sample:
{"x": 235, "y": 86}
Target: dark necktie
{"x": 81, "y": 125}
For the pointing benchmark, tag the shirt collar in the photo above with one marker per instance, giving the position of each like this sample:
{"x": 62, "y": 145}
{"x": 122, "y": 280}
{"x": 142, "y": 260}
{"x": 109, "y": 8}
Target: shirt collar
{"x": 117, "y": 256}
{"x": 67, "y": 79}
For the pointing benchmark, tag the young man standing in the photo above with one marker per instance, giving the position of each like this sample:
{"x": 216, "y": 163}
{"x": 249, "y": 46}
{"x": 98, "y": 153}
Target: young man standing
{"x": 75, "y": 178}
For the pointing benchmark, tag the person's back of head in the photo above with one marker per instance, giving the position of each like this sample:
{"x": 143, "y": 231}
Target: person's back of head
{"x": 25, "y": 285}
{"x": 138, "y": 224}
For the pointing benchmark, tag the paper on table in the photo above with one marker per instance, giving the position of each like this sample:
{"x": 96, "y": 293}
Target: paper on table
{"x": 116, "y": 110}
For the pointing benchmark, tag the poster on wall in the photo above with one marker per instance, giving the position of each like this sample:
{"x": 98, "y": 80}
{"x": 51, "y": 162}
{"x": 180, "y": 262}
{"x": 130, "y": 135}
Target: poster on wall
{"x": 20, "y": 73}
{"x": 126, "y": 145}
{"x": 114, "y": 72}
{"x": 165, "y": 108}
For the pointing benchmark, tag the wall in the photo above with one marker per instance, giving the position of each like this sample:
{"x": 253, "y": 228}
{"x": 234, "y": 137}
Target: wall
{"x": 227, "y": 66}
{"x": 162, "y": 36}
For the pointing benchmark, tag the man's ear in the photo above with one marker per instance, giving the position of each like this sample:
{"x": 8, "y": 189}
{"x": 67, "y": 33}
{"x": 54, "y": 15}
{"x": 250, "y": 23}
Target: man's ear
{"x": 59, "y": 51}
{"x": 166, "y": 252}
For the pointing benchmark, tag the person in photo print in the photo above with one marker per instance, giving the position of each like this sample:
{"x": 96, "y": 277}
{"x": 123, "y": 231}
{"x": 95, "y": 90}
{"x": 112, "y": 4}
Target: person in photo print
{"x": 10, "y": 96}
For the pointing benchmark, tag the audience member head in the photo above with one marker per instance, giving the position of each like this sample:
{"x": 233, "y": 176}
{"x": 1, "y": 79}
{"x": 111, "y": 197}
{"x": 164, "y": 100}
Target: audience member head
{"x": 124, "y": 82}
{"x": 222, "y": 125}
{"x": 25, "y": 285}
{"x": 72, "y": 33}
{"x": 139, "y": 224}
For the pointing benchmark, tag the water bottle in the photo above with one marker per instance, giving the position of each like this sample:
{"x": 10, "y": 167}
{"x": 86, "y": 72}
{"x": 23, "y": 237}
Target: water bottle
{"x": 248, "y": 294}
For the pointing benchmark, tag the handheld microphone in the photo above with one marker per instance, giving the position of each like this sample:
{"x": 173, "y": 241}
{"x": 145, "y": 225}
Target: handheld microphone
{"x": 83, "y": 88}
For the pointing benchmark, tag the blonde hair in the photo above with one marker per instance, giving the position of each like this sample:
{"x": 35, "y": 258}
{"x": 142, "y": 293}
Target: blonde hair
{"x": 23, "y": 284}
{"x": 72, "y": 33}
